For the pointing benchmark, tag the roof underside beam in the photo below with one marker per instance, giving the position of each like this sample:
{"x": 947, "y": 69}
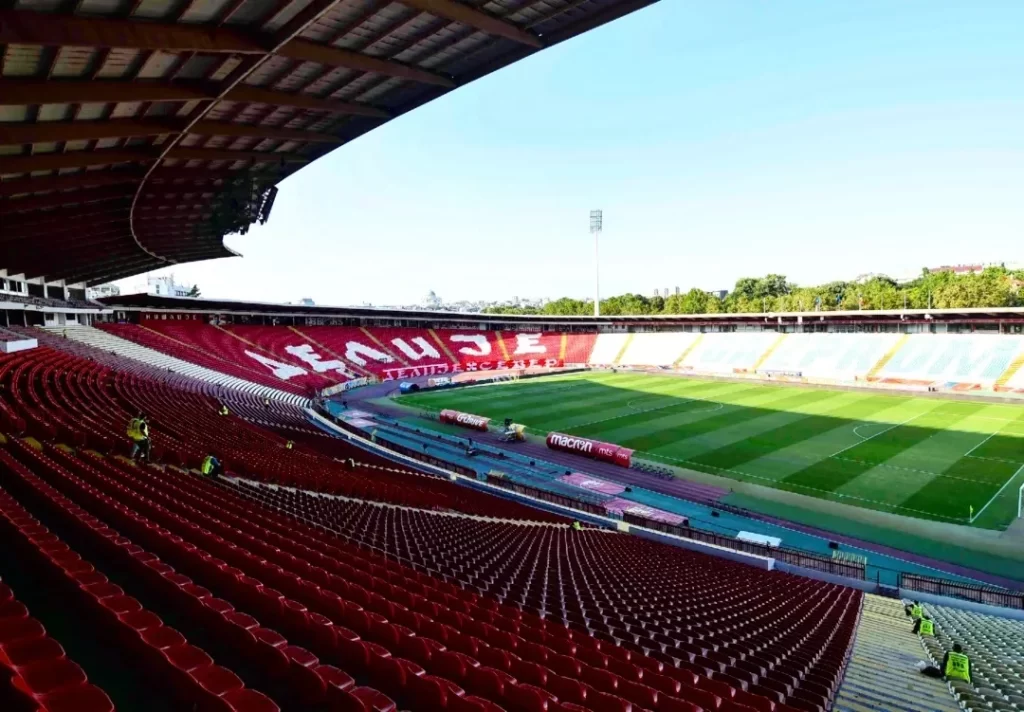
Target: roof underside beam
{"x": 57, "y": 199}
{"x": 49, "y": 30}
{"x": 37, "y": 91}
{"x": 84, "y": 179}
{"x": 477, "y": 19}
{"x": 55, "y": 131}
{"x": 82, "y": 159}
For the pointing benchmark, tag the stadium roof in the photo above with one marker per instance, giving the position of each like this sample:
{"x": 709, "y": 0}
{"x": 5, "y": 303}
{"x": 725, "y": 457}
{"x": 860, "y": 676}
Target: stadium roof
{"x": 137, "y": 133}
{"x": 149, "y": 302}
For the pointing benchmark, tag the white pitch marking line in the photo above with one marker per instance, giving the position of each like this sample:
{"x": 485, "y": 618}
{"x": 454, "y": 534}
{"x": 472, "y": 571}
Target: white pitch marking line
{"x": 968, "y": 453}
{"x": 880, "y": 432}
{"x": 996, "y": 495}
{"x": 856, "y": 430}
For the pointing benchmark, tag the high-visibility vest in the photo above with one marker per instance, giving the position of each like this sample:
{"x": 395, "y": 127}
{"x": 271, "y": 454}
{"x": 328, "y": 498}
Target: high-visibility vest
{"x": 207, "y": 466}
{"x": 223, "y": 410}
{"x": 577, "y": 526}
{"x": 289, "y": 445}
{"x": 917, "y": 611}
{"x": 958, "y": 667}
{"x": 137, "y": 429}
{"x": 927, "y": 627}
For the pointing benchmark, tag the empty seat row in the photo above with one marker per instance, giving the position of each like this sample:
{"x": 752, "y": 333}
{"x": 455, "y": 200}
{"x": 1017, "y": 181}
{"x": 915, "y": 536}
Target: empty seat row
{"x": 181, "y": 671}
{"x": 35, "y": 672}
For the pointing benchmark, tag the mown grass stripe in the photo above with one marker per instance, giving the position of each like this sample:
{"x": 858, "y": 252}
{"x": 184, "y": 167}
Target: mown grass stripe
{"x": 772, "y": 441}
{"x": 833, "y": 473}
{"x": 730, "y": 436}
{"x": 663, "y": 437}
{"x": 706, "y": 403}
{"x": 621, "y": 406}
{"x": 553, "y": 412}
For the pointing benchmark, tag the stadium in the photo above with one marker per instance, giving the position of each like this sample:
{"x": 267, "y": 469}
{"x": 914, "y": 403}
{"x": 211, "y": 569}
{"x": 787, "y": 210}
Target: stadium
{"x": 228, "y": 505}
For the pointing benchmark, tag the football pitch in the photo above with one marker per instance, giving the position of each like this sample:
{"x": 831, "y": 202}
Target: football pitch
{"x": 953, "y": 461}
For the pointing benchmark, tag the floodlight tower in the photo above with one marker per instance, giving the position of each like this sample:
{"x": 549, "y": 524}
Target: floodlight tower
{"x": 596, "y": 224}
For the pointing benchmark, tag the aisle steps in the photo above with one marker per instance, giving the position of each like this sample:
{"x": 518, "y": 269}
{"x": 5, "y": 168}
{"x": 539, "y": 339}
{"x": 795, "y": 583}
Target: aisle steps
{"x": 882, "y": 675}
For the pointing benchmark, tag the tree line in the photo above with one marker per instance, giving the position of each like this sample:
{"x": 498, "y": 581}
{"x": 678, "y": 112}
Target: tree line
{"x": 992, "y": 287}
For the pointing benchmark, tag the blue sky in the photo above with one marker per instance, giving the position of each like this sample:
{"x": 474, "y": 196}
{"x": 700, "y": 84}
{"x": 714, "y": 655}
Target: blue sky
{"x": 820, "y": 140}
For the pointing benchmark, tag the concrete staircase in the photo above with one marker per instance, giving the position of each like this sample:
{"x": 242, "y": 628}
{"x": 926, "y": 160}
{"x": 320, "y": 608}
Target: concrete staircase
{"x": 882, "y": 362}
{"x": 108, "y": 342}
{"x": 1009, "y": 373}
{"x": 882, "y": 675}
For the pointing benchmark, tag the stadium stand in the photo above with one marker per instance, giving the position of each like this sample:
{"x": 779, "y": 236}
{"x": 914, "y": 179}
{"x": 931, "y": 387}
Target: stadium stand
{"x": 657, "y": 349}
{"x": 830, "y": 357}
{"x": 959, "y": 362}
{"x": 794, "y": 646}
{"x": 731, "y": 353}
{"x": 996, "y": 648}
{"x": 663, "y": 628}
{"x": 53, "y": 394}
{"x": 607, "y": 348}
{"x": 579, "y": 347}
{"x": 211, "y": 348}
{"x": 301, "y": 360}
{"x": 104, "y": 340}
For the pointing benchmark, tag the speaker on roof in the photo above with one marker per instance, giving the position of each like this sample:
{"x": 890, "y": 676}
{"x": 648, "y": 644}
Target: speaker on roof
{"x": 833, "y": 545}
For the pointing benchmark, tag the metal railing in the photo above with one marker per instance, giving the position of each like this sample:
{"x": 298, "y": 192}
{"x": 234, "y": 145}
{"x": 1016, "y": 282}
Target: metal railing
{"x": 794, "y": 557}
{"x": 546, "y": 496}
{"x": 989, "y": 595}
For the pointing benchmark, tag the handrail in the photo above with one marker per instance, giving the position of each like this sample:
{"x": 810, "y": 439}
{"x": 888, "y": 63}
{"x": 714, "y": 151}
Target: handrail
{"x": 989, "y": 595}
{"x": 796, "y": 557}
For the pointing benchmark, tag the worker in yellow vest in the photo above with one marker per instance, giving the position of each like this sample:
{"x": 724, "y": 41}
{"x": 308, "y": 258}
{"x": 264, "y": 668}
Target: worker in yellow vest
{"x": 211, "y": 466}
{"x": 289, "y": 445}
{"x": 956, "y": 665}
{"x": 925, "y": 626}
{"x": 138, "y": 433}
{"x": 915, "y": 610}
{"x": 224, "y": 410}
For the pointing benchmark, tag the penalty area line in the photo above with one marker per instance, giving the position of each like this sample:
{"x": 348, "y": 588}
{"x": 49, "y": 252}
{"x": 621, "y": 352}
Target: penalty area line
{"x": 871, "y": 437}
{"x": 996, "y": 495}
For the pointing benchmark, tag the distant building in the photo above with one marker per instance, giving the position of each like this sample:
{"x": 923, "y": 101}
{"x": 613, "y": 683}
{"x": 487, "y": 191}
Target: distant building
{"x": 959, "y": 269}
{"x": 102, "y": 290}
{"x": 656, "y": 293}
{"x": 306, "y": 302}
{"x": 166, "y": 287}
{"x": 677, "y": 291}
{"x": 720, "y": 293}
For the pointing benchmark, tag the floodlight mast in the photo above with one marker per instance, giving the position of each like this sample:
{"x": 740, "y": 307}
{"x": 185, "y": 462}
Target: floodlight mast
{"x": 596, "y": 225}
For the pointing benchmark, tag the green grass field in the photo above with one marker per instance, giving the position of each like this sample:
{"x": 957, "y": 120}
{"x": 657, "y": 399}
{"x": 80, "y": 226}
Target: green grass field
{"x": 922, "y": 457}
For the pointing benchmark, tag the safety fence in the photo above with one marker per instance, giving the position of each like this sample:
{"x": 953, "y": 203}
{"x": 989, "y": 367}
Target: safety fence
{"x": 795, "y": 557}
{"x": 546, "y": 496}
{"x": 989, "y": 595}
